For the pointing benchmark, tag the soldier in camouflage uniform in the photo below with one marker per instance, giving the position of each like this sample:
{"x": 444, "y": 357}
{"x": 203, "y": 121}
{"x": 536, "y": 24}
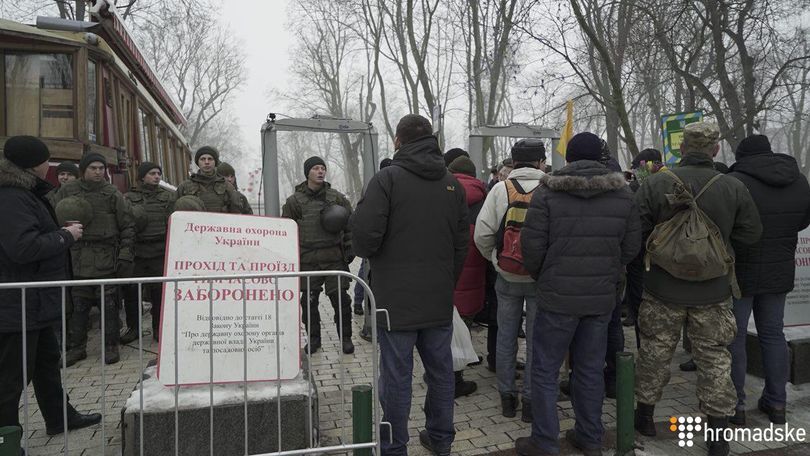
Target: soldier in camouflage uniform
{"x": 152, "y": 206}
{"x": 65, "y": 172}
{"x": 226, "y": 170}
{"x": 322, "y": 249}
{"x": 668, "y": 301}
{"x": 217, "y": 194}
{"x": 104, "y": 252}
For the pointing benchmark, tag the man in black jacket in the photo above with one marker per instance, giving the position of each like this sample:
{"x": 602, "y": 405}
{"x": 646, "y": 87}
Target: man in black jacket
{"x": 412, "y": 226}
{"x": 32, "y": 248}
{"x": 576, "y": 257}
{"x": 766, "y": 270}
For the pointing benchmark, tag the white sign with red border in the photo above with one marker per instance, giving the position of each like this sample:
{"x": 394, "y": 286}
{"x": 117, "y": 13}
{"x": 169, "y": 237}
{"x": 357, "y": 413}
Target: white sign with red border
{"x": 241, "y": 313}
{"x": 797, "y": 304}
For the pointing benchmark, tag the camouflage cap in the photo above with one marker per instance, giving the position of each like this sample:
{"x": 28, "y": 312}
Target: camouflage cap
{"x": 189, "y": 203}
{"x": 700, "y": 138}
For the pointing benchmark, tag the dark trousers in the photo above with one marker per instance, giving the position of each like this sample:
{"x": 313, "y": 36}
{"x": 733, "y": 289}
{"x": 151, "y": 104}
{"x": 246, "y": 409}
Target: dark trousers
{"x": 769, "y": 316}
{"x": 144, "y": 267}
{"x": 396, "y": 375}
{"x": 336, "y": 290}
{"x": 43, "y": 363}
{"x": 615, "y": 344}
{"x": 83, "y": 299}
{"x": 586, "y": 337}
{"x": 634, "y": 290}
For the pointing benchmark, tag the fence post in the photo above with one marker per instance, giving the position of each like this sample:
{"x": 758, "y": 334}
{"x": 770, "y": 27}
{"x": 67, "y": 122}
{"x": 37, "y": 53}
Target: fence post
{"x": 625, "y": 383}
{"x": 361, "y": 417}
{"x": 10, "y": 440}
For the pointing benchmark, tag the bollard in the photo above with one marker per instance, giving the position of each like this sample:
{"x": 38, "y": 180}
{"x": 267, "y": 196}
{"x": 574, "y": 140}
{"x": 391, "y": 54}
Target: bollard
{"x": 10, "y": 440}
{"x": 625, "y": 384}
{"x": 361, "y": 417}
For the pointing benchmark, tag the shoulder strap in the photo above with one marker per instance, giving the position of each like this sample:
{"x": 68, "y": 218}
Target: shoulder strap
{"x": 673, "y": 176}
{"x": 517, "y": 186}
{"x": 708, "y": 184}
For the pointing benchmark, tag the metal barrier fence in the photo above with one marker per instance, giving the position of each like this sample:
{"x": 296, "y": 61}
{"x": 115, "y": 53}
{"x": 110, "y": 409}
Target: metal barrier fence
{"x": 104, "y": 445}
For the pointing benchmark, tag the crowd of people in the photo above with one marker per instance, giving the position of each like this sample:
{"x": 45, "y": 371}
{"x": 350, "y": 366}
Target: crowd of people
{"x": 693, "y": 249}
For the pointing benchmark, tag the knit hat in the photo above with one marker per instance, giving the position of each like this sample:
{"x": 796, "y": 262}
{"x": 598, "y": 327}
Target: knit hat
{"x": 462, "y": 165}
{"x": 311, "y": 162}
{"x": 225, "y": 169}
{"x": 92, "y": 157}
{"x": 26, "y": 151}
{"x": 646, "y": 155}
{"x": 583, "y": 146}
{"x": 145, "y": 167}
{"x": 385, "y": 163}
{"x": 453, "y": 154}
{"x": 529, "y": 150}
{"x": 67, "y": 167}
{"x": 206, "y": 150}
{"x": 753, "y": 145}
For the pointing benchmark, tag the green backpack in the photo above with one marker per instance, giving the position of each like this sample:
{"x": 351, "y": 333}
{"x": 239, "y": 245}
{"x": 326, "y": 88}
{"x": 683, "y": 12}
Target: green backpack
{"x": 689, "y": 245}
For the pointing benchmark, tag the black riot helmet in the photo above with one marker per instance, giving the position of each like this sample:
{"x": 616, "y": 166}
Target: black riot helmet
{"x": 334, "y": 218}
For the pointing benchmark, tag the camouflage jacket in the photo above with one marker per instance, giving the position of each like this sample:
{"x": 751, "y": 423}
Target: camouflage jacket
{"x": 218, "y": 195}
{"x": 158, "y": 205}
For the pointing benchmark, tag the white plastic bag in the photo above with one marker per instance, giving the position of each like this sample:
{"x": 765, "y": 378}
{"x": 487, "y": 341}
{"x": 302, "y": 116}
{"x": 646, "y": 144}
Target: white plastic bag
{"x": 461, "y": 346}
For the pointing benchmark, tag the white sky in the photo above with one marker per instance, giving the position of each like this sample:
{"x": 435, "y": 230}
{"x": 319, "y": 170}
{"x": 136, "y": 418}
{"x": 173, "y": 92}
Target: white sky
{"x": 260, "y": 25}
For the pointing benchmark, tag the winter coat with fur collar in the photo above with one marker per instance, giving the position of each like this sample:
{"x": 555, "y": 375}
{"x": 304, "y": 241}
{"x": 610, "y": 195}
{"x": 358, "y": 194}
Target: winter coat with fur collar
{"x": 582, "y": 227}
{"x": 32, "y": 248}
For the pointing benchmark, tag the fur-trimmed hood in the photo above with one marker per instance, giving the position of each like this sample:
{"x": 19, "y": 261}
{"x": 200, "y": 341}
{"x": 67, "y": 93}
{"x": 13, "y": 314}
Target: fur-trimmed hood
{"x": 584, "y": 178}
{"x": 12, "y": 175}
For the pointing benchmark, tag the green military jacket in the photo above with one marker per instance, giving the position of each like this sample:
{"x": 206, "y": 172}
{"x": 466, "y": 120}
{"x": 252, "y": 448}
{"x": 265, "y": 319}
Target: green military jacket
{"x": 243, "y": 202}
{"x": 109, "y": 237}
{"x": 318, "y": 246}
{"x": 214, "y": 191}
{"x": 158, "y": 205}
{"x": 729, "y": 205}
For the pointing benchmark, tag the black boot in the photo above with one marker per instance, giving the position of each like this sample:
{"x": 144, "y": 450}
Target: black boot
{"x": 738, "y": 418}
{"x": 75, "y": 421}
{"x": 525, "y": 446}
{"x": 314, "y": 345}
{"x": 526, "y": 414}
{"x": 718, "y": 447}
{"x": 464, "y": 388}
{"x": 775, "y": 415}
{"x": 347, "y": 345}
{"x": 644, "y": 419}
{"x": 509, "y": 405}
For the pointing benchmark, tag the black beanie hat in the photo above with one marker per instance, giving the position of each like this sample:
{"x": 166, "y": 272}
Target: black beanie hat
{"x": 26, "y": 151}
{"x": 528, "y": 150}
{"x": 67, "y": 167}
{"x": 583, "y": 146}
{"x": 310, "y": 163}
{"x": 753, "y": 145}
{"x": 206, "y": 150}
{"x": 453, "y": 154}
{"x": 146, "y": 167}
{"x": 90, "y": 158}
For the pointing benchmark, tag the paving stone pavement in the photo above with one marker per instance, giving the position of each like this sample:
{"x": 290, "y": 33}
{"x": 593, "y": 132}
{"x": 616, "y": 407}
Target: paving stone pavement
{"x": 480, "y": 427}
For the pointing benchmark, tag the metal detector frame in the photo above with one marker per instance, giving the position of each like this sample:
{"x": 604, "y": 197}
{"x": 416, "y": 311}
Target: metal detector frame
{"x": 478, "y": 134}
{"x": 316, "y": 124}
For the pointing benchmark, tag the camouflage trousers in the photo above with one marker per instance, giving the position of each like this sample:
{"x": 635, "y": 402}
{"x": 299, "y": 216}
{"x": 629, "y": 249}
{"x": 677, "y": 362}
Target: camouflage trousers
{"x": 710, "y": 328}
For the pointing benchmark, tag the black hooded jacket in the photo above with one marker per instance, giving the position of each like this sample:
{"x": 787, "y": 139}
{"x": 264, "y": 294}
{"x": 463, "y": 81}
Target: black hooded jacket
{"x": 582, "y": 227}
{"x": 32, "y": 248}
{"x": 412, "y": 226}
{"x": 782, "y": 196}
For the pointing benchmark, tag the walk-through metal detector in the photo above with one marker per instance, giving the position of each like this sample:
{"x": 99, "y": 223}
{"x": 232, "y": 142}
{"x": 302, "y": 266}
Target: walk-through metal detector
{"x": 511, "y": 131}
{"x": 315, "y": 125}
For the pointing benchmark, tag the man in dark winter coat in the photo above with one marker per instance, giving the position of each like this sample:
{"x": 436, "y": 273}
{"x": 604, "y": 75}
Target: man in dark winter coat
{"x": 217, "y": 194}
{"x": 412, "y": 226}
{"x": 32, "y": 248}
{"x": 766, "y": 270}
{"x": 705, "y": 305}
{"x": 152, "y": 205}
{"x": 581, "y": 228}
{"x": 325, "y": 246}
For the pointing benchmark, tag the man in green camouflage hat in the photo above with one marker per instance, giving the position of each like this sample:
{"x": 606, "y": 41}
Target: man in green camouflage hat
{"x": 157, "y": 205}
{"x": 226, "y": 170}
{"x": 216, "y": 193}
{"x": 669, "y": 301}
{"x": 325, "y": 246}
{"x": 104, "y": 252}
